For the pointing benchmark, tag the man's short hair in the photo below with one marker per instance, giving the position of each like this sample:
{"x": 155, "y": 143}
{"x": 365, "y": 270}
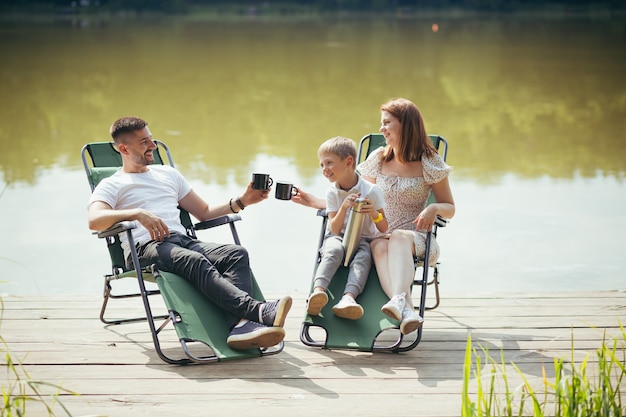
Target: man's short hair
{"x": 125, "y": 125}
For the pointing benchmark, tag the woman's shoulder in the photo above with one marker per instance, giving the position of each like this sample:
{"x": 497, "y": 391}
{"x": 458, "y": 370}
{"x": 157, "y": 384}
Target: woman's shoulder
{"x": 435, "y": 168}
{"x": 378, "y": 152}
{"x": 372, "y": 165}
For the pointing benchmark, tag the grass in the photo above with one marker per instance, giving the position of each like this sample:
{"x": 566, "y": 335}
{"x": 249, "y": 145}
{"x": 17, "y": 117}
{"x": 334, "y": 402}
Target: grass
{"x": 574, "y": 392}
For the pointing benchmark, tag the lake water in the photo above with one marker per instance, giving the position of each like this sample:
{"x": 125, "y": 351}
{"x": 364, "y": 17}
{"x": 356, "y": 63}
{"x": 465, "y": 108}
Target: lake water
{"x": 534, "y": 111}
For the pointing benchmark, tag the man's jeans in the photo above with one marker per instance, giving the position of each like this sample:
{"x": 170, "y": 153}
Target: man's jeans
{"x": 220, "y": 271}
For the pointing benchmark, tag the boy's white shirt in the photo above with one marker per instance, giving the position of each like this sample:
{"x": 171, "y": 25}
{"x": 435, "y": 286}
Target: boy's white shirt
{"x": 335, "y": 197}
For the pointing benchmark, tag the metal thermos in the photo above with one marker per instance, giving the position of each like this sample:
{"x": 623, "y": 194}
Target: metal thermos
{"x": 354, "y": 228}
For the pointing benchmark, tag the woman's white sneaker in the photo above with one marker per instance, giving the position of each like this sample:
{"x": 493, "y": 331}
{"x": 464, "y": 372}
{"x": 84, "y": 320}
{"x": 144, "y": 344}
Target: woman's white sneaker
{"x": 411, "y": 321}
{"x": 393, "y": 308}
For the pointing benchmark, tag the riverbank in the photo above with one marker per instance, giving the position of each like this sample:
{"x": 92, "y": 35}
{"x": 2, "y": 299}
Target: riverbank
{"x": 42, "y": 13}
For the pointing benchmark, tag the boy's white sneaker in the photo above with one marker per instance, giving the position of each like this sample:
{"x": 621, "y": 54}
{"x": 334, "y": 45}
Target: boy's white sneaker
{"x": 348, "y": 308}
{"x": 316, "y": 303}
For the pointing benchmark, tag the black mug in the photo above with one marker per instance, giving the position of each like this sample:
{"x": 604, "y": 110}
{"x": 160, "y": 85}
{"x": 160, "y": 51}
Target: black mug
{"x": 261, "y": 181}
{"x": 285, "y": 190}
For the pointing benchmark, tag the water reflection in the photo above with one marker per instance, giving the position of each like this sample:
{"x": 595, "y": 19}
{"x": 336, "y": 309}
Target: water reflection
{"x": 532, "y": 98}
{"x": 527, "y": 100}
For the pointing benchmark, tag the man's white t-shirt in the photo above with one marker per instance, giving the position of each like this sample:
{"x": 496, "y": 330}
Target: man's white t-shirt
{"x": 158, "y": 191}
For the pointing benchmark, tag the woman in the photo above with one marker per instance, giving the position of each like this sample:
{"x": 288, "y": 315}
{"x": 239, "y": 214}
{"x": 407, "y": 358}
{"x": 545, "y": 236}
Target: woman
{"x": 407, "y": 169}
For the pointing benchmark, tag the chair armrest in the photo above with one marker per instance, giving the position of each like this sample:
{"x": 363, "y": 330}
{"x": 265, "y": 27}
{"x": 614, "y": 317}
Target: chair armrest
{"x": 218, "y": 221}
{"x": 116, "y": 229}
{"x": 441, "y": 222}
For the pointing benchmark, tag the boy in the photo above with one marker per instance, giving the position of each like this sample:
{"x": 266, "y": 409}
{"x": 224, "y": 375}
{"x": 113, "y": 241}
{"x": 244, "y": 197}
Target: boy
{"x": 338, "y": 162}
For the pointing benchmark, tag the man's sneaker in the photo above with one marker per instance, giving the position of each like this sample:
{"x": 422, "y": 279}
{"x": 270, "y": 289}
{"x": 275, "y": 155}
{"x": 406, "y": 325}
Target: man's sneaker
{"x": 254, "y": 335}
{"x": 348, "y": 308}
{"x": 411, "y": 321}
{"x": 274, "y": 313}
{"x": 393, "y": 308}
{"x": 316, "y": 303}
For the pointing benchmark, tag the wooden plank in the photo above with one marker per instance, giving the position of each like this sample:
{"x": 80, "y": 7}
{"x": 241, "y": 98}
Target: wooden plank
{"x": 316, "y": 402}
{"x": 521, "y": 311}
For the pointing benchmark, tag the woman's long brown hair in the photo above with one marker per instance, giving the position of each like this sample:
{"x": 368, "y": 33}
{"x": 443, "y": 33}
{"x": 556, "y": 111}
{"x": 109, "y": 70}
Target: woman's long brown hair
{"x": 414, "y": 142}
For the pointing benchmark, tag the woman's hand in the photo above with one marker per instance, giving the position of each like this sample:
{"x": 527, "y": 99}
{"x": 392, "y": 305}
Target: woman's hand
{"x": 426, "y": 219}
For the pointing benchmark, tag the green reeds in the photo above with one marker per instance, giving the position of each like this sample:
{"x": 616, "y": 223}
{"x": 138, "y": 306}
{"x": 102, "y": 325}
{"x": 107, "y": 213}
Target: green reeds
{"x": 573, "y": 393}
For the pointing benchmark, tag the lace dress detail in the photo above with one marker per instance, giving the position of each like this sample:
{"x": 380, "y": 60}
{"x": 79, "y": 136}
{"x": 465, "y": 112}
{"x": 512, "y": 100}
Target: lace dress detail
{"x": 407, "y": 197}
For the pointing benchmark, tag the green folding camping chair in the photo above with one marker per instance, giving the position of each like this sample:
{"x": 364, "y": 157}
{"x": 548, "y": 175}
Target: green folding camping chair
{"x": 374, "y": 331}
{"x": 199, "y": 323}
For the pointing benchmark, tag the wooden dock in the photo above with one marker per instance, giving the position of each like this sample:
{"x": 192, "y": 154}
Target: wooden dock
{"x": 60, "y": 340}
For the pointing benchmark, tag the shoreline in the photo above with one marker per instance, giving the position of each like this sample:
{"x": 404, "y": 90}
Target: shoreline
{"x": 213, "y": 14}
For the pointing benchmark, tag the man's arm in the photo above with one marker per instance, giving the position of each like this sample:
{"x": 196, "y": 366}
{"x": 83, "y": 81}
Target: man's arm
{"x": 199, "y": 209}
{"x": 101, "y": 216}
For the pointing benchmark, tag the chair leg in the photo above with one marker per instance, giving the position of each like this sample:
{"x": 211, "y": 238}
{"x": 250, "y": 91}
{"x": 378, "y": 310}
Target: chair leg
{"x": 108, "y": 295}
{"x": 435, "y": 283}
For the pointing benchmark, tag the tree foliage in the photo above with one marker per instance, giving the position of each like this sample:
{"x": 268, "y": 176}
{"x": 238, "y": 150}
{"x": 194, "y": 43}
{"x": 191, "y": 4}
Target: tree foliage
{"x": 183, "y": 6}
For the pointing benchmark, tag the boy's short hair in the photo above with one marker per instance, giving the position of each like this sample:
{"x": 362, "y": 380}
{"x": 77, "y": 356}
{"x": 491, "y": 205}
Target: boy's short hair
{"x": 341, "y": 146}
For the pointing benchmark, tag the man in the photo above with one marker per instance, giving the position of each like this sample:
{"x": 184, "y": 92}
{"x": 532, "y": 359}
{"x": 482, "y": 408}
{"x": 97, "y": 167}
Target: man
{"x": 150, "y": 195}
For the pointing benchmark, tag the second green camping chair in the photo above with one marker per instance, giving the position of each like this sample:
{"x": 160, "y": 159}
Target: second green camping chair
{"x": 374, "y": 331}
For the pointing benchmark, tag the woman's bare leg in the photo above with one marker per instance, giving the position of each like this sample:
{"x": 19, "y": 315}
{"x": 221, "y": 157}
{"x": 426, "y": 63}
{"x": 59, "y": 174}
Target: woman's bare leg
{"x": 400, "y": 261}
{"x": 379, "y": 248}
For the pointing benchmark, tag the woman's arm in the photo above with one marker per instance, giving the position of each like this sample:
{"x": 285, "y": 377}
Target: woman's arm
{"x": 444, "y": 203}
{"x": 443, "y": 206}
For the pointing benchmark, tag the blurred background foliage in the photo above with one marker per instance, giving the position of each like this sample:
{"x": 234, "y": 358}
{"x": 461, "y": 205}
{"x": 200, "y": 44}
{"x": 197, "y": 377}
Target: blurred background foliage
{"x": 277, "y": 7}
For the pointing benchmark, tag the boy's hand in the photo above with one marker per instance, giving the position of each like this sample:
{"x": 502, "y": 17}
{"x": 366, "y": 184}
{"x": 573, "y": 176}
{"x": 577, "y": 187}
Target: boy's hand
{"x": 368, "y": 208}
{"x": 350, "y": 200}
